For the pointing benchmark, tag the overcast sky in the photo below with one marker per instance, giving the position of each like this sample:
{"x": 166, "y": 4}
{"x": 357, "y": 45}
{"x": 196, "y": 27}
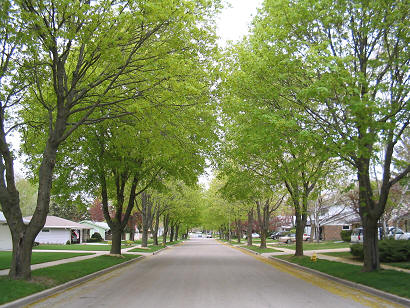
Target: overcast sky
{"x": 234, "y": 21}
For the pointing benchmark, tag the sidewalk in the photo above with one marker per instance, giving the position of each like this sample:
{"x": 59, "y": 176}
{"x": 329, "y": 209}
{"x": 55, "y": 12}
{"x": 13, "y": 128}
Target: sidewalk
{"x": 79, "y": 258}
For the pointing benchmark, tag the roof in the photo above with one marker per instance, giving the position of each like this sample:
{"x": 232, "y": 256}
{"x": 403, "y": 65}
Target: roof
{"x": 4, "y": 221}
{"x": 60, "y": 223}
{"x": 98, "y": 224}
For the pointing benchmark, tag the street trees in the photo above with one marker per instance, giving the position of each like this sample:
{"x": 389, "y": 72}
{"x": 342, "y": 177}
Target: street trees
{"x": 268, "y": 138}
{"x": 83, "y": 63}
{"x": 345, "y": 65}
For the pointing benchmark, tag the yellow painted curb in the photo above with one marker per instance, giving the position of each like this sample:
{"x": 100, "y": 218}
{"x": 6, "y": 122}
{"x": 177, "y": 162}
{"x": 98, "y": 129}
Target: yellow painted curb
{"x": 334, "y": 287}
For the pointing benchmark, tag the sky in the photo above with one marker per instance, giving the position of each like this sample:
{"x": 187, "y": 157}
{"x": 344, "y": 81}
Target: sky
{"x": 232, "y": 25}
{"x": 234, "y": 21}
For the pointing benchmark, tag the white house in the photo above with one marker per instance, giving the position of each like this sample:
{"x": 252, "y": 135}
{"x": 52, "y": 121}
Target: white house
{"x": 60, "y": 231}
{"x": 5, "y": 236}
{"x": 96, "y": 227}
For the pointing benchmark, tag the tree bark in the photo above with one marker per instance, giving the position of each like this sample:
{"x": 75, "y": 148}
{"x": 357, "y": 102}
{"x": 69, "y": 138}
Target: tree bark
{"x": 238, "y": 230}
{"x": 156, "y": 227}
{"x": 250, "y": 226}
{"x": 116, "y": 240}
{"x": 171, "y": 235}
{"x": 300, "y": 228}
{"x": 166, "y": 225}
{"x": 146, "y": 213}
{"x": 176, "y": 232}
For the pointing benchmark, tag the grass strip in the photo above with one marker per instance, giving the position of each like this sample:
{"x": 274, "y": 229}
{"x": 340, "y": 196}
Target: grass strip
{"x": 80, "y": 247}
{"x": 260, "y": 250}
{"x": 39, "y": 257}
{"x": 390, "y": 281}
{"x": 150, "y": 248}
{"x": 348, "y": 255}
{"x": 49, "y": 277}
{"x": 319, "y": 246}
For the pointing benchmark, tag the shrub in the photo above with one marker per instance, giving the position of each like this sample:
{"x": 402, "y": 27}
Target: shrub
{"x": 390, "y": 250}
{"x": 394, "y": 250}
{"x": 345, "y": 235}
{"x": 97, "y": 237}
{"x": 357, "y": 251}
{"x": 68, "y": 243}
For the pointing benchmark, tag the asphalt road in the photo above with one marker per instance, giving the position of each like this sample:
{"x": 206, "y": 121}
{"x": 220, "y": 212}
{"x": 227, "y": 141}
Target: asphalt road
{"x": 205, "y": 273}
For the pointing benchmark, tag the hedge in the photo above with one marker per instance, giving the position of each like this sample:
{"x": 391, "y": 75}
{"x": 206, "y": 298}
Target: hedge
{"x": 390, "y": 250}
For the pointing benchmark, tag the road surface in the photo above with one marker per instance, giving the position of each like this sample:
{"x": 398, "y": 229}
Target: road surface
{"x": 205, "y": 273}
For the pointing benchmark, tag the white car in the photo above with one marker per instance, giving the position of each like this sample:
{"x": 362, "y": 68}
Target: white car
{"x": 397, "y": 234}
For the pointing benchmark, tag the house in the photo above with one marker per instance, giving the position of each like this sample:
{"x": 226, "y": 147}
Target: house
{"x": 5, "y": 236}
{"x": 333, "y": 221}
{"x": 97, "y": 227}
{"x": 61, "y": 231}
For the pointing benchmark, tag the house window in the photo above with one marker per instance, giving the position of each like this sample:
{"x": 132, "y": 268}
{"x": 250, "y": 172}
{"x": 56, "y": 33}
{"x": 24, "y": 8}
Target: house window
{"x": 45, "y": 230}
{"x": 346, "y": 227}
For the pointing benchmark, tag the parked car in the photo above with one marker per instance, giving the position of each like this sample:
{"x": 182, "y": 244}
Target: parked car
{"x": 254, "y": 235}
{"x": 275, "y": 235}
{"x": 397, "y": 234}
{"x": 209, "y": 235}
{"x": 358, "y": 235}
{"x": 306, "y": 237}
{"x": 289, "y": 238}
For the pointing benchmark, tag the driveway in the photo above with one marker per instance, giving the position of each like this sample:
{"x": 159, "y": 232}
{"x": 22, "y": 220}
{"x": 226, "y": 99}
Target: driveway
{"x": 205, "y": 273}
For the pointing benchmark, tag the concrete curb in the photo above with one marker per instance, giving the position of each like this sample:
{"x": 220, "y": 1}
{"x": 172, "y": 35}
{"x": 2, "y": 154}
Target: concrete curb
{"x": 158, "y": 251}
{"x": 249, "y": 250}
{"x": 391, "y": 297}
{"x": 69, "y": 284}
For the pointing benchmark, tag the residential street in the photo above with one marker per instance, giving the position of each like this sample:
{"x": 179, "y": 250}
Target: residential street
{"x": 205, "y": 273}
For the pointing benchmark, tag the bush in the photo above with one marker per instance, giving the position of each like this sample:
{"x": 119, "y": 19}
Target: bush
{"x": 357, "y": 251}
{"x": 394, "y": 250}
{"x": 345, "y": 235}
{"x": 97, "y": 236}
{"x": 390, "y": 250}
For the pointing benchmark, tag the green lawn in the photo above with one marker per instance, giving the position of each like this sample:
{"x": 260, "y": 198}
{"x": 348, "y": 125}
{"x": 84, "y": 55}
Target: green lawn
{"x": 348, "y": 255}
{"x": 39, "y": 257}
{"x": 153, "y": 248}
{"x": 76, "y": 247}
{"x": 150, "y": 248}
{"x": 260, "y": 250}
{"x": 318, "y": 246}
{"x": 390, "y": 281}
{"x": 48, "y": 277}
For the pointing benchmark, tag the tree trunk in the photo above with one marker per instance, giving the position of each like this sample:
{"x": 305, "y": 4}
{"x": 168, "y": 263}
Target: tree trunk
{"x": 166, "y": 224}
{"x": 171, "y": 235}
{"x": 369, "y": 216}
{"x": 116, "y": 241}
{"x": 238, "y": 230}
{"x": 176, "y": 232}
{"x": 156, "y": 227}
{"x": 263, "y": 240}
{"x": 370, "y": 244}
{"x": 250, "y": 226}
{"x": 20, "y": 267}
{"x": 300, "y": 228}
{"x": 144, "y": 238}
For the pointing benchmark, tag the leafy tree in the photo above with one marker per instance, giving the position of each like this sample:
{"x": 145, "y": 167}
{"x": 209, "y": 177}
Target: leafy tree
{"x": 28, "y": 196}
{"x": 345, "y": 64}
{"x": 83, "y": 63}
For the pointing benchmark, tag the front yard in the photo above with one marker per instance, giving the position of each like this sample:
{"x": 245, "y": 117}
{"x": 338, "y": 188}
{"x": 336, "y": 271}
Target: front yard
{"x": 319, "y": 246}
{"x": 39, "y": 257}
{"x": 260, "y": 250}
{"x": 83, "y": 247}
{"x": 49, "y": 277}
